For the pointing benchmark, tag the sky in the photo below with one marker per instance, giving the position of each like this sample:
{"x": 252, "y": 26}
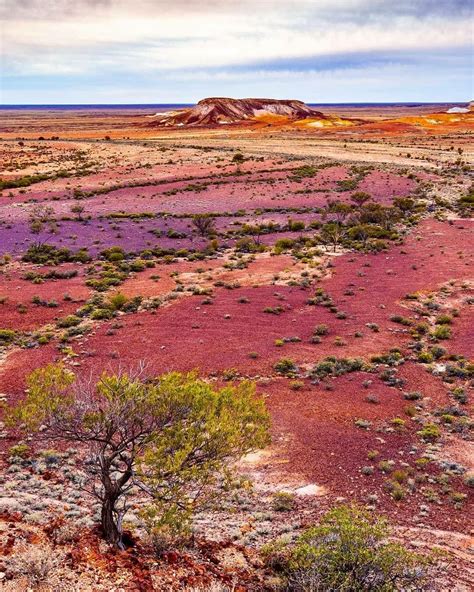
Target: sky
{"x": 180, "y": 51}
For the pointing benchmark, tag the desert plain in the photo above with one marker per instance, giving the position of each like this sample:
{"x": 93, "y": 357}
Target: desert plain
{"x": 335, "y": 273}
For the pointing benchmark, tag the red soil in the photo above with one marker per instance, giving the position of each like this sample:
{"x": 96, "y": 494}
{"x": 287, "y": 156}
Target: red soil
{"x": 315, "y": 437}
{"x": 462, "y": 336}
{"x": 19, "y": 291}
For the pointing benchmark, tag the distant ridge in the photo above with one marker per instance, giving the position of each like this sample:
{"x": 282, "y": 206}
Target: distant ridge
{"x": 224, "y": 110}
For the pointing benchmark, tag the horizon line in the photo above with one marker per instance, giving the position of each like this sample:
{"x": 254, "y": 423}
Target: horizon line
{"x": 7, "y": 105}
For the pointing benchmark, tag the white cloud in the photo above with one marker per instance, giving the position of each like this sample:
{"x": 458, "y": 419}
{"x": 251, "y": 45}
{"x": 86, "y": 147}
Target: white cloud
{"x": 173, "y": 41}
{"x": 179, "y": 39}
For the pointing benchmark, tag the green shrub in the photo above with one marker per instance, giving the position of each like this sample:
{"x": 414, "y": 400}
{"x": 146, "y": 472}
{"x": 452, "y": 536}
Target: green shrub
{"x": 7, "y": 336}
{"x": 442, "y": 332}
{"x": 332, "y": 366}
{"x": 444, "y": 319}
{"x": 349, "y": 552}
{"x": 114, "y": 254}
{"x": 20, "y": 450}
{"x": 117, "y": 301}
{"x": 425, "y": 358}
{"x": 430, "y": 432}
{"x": 286, "y": 367}
{"x": 69, "y": 321}
{"x": 283, "y": 501}
{"x": 101, "y": 314}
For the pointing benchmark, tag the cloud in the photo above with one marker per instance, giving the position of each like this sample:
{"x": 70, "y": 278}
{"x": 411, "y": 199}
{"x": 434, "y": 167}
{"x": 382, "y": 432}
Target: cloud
{"x": 107, "y": 38}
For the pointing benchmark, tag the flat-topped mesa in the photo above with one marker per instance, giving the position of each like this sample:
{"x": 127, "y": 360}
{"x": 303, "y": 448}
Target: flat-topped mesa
{"x": 223, "y": 110}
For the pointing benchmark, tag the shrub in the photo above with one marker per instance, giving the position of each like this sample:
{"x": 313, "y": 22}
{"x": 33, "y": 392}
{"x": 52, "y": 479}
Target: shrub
{"x": 69, "y": 321}
{"x": 444, "y": 319}
{"x": 413, "y": 396}
{"x": 43, "y": 253}
{"x": 430, "y": 432}
{"x": 7, "y": 336}
{"x": 469, "y": 479}
{"x": 276, "y": 310}
{"x": 332, "y": 366}
{"x": 295, "y": 225}
{"x": 21, "y": 450}
{"x": 459, "y": 394}
{"x": 286, "y": 367}
{"x": 349, "y": 552}
{"x": 321, "y": 330}
{"x": 114, "y": 254}
{"x": 283, "y": 501}
{"x": 204, "y": 223}
{"x": 442, "y": 332}
{"x": 425, "y": 357}
{"x": 386, "y": 466}
{"x": 117, "y": 301}
{"x": 101, "y": 314}
{"x": 398, "y": 423}
{"x": 35, "y": 564}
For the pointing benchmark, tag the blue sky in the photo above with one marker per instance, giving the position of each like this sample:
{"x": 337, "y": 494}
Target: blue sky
{"x": 152, "y": 51}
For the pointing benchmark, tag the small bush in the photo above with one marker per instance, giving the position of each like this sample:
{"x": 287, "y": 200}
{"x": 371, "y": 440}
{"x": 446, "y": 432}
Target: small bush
{"x": 69, "y": 321}
{"x": 283, "y": 501}
{"x": 444, "y": 319}
{"x": 117, "y": 301}
{"x": 413, "y": 396}
{"x": 321, "y": 330}
{"x": 430, "y": 432}
{"x": 21, "y": 450}
{"x": 442, "y": 332}
{"x": 286, "y": 367}
{"x": 7, "y": 336}
{"x": 349, "y": 552}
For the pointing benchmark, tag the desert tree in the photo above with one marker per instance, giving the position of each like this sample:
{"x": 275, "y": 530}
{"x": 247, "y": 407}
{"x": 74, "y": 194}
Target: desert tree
{"x": 172, "y": 437}
{"x": 332, "y": 234}
{"x": 238, "y": 158}
{"x": 360, "y": 198}
{"x": 41, "y": 215}
{"x": 406, "y": 205}
{"x": 256, "y": 231}
{"x": 77, "y": 209}
{"x": 337, "y": 210}
{"x": 204, "y": 224}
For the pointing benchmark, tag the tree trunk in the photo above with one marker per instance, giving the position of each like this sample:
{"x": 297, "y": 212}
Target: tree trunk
{"x": 111, "y": 532}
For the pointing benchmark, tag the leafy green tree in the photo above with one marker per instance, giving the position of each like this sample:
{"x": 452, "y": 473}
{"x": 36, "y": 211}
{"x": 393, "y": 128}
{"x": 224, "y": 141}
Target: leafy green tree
{"x": 172, "y": 437}
{"x": 333, "y": 234}
{"x": 349, "y": 552}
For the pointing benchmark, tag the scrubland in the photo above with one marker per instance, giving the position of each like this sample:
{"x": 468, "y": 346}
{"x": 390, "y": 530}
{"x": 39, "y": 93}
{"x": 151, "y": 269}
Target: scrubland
{"x": 330, "y": 268}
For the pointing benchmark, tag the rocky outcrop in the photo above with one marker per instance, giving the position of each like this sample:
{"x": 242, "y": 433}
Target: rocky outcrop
{"x": 220, "y": 111}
